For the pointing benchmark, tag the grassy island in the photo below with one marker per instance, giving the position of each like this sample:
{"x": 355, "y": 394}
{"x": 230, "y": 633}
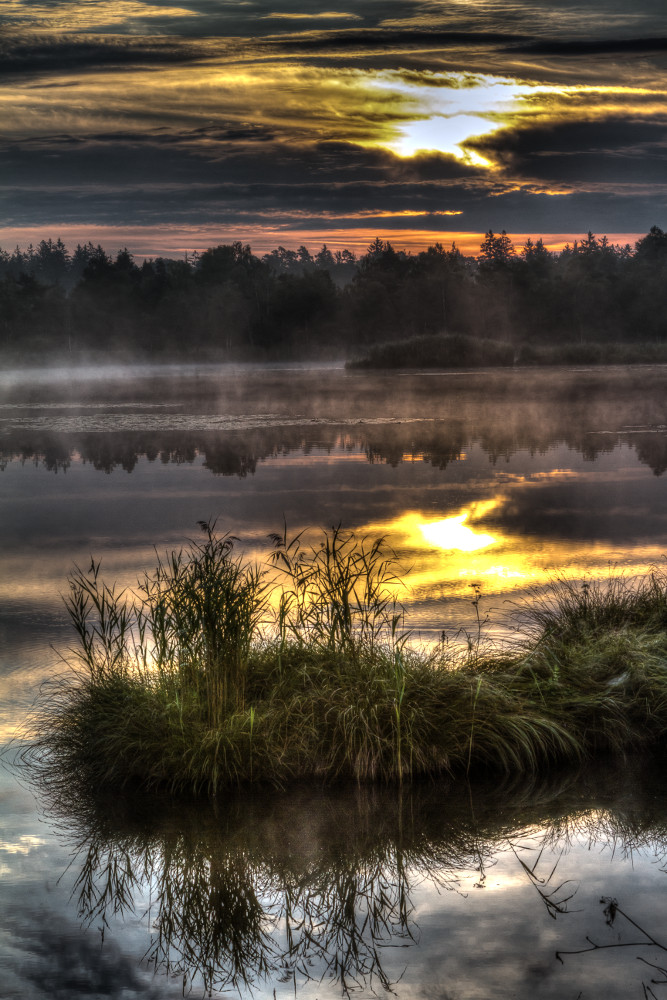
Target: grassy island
{"x": 464, "y": 351}
{"x": 214, "y": 673}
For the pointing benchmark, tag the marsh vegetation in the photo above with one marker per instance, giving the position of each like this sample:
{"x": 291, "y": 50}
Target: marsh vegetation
{"x": 461, "y": 351}
{"x": 216, "y": 673}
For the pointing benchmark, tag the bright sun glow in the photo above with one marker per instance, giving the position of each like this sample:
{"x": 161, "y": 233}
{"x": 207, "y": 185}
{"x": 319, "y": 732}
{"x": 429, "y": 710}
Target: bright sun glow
{"x": 446, "y": 116}
{"x": 450, "y": 109}
{"x": 454, "y": 533}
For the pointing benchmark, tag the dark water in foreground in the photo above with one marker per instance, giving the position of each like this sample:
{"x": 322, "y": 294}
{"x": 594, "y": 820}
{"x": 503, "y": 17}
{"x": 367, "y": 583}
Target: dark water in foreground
{"x": 496, "y": 478}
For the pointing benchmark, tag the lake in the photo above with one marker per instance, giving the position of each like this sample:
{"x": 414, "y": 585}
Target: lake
{"x": 501, "y": 479}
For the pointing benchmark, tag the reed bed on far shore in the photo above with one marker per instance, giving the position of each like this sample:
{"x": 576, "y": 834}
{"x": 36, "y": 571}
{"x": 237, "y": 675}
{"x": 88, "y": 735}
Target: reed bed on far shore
{"x": 459, "y": 350}
{"x": 209, "y": 676}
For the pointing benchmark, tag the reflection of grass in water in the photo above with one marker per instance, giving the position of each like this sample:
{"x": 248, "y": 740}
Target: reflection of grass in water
{"x": 181, "y": 690}
{"x": 233, "y": 904}
{"x": 316, "y": 884}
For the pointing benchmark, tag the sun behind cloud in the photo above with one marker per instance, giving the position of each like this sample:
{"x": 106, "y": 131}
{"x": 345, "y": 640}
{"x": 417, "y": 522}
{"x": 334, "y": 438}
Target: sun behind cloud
{"x": 251, "y": 116}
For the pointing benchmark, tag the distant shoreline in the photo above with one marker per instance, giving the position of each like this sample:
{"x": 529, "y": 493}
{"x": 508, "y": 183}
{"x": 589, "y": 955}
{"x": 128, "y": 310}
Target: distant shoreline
{"x": 227, "y": 303}
{"x": 436, "y": 351}
{"x": 460, "y": 351}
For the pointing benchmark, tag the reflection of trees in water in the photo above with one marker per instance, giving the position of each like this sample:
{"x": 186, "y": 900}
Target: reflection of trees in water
{"x": 651, "y": 450}
{"x": 501, "y": 412}
{"x": 316, "y": 885}
{"x": 237, "y": 453}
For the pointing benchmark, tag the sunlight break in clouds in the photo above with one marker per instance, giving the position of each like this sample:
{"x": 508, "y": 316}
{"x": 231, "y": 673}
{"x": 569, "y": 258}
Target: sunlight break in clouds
{"x": 457, "y": 108}
{"x": 308, "y": 104}
{"x": 255, "y": 116}
{"x": 453, "y": 108}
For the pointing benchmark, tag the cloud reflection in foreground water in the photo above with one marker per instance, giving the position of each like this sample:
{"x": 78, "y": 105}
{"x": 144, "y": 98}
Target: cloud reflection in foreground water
{"x": 431, "y": 888}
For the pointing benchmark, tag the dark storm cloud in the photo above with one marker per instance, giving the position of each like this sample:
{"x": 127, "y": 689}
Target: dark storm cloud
{"x": 289, "y": 208}
{"x": 236, "y": 171}
{"x": 47, "y": 55}
{"x": 292, "y": 205}
{"x": 612, "y": 151}
{"x": 593, "y": 46}
{"x": 332, "y": 184}
{"x": 51, "y": 957}
{"x": 526, "y": 211}
{"x": 229, "y": 154}
{"x": 387, "y": 39}
{"x": 584, "y": 510}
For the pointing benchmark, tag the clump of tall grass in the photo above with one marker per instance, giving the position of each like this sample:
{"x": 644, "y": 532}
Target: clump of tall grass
{"x": 214, "y": 673}
{"x": 338, "y": 596}
{"x": 189, "y": 627}
{"x": 597, "y": 654}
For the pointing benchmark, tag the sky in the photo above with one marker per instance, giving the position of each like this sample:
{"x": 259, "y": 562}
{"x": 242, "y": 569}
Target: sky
{"x": 174, "y": 125}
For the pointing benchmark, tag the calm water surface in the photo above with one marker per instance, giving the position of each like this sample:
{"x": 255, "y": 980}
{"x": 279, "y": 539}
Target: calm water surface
{"x": 494, "y": 478}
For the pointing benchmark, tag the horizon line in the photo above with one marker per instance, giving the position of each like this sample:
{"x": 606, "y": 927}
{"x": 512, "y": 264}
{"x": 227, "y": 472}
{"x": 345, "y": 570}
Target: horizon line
{"x": 179, "y": 242}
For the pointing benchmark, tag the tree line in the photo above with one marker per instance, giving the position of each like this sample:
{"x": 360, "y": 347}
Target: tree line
{"x": 228, "y": 302}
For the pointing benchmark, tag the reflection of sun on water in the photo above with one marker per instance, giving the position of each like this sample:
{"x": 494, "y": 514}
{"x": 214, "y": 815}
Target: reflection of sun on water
{"x": 453, "y": 533}
{"x": 445, "y": 554}
{"x": 439, "y": 558}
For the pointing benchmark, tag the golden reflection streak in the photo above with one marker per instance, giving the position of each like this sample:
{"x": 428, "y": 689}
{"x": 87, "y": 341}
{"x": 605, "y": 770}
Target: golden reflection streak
{"x": 453, "y": 533}
{"x": 436, "y": 562}
{"x": 440, "y": 562}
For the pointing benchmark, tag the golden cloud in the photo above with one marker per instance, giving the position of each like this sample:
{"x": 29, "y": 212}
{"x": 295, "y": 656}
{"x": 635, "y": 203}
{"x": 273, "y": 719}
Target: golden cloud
{"x": 83, "y": 17}
{"x": 327, "y": 15}
{"x": 405, "y": 113}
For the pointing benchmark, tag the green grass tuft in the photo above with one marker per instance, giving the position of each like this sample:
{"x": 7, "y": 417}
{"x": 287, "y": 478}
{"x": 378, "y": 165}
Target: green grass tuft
{"x": 195, "y": 684}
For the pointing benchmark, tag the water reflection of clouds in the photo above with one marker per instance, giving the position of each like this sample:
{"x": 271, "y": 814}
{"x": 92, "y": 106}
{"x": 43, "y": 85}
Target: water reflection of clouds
{"x": 488, "y": 543}
{"x": 472, "y": 941}
{"x": 24, "y": 845}
{"x": 486, "y": 455}
{"x": 545, "y": 505}
{"x": 544, "y": 514}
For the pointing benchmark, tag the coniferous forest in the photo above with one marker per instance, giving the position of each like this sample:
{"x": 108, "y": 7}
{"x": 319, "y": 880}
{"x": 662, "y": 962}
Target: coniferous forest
{"x": 228, "y": 303}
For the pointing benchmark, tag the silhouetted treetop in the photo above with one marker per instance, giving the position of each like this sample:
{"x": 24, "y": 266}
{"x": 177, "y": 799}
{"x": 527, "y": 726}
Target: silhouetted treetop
{"x": 228, "y": 302}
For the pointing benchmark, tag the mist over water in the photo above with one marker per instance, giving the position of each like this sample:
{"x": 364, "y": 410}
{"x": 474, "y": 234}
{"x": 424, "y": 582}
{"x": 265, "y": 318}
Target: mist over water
{"x": 500, "y": 478}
